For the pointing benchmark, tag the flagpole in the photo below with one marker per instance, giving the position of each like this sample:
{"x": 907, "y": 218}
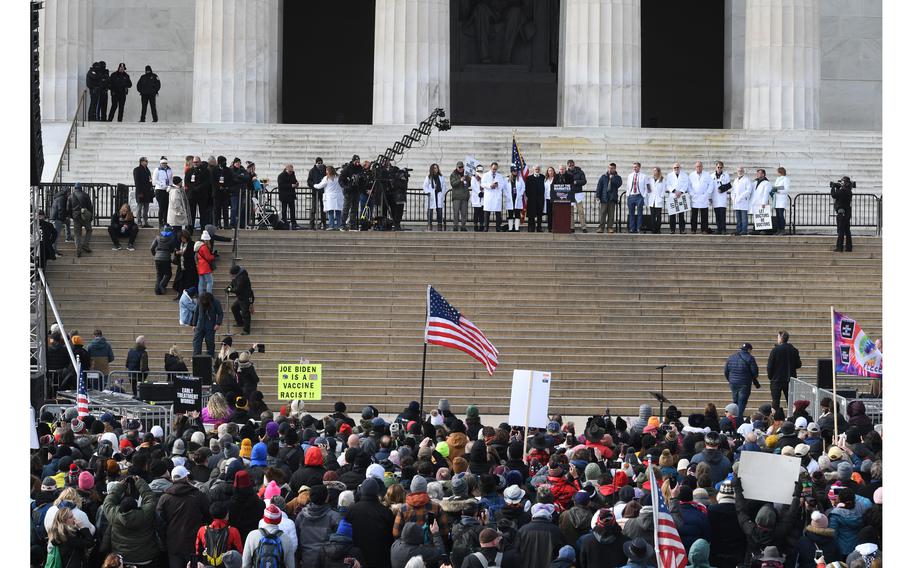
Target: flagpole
{"x": 834, "y": 375}
{"x": 423, "y": 376}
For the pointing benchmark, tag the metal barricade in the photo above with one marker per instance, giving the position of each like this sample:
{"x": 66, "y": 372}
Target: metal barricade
{"x": 801, "y": 390}
{"x": 123, "y": 406}
{"x": 817, "y": 210}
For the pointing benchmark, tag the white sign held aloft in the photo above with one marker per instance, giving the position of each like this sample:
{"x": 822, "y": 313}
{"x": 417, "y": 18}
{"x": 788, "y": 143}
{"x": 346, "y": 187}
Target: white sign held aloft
{"x": 530, "y": 399}
{"x": 768, "y": 477}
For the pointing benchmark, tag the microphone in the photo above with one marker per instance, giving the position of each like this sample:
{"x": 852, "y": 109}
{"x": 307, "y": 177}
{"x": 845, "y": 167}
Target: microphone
{"x": 661, "y": 366}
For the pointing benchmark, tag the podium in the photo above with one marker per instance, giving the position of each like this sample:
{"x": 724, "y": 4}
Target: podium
{"x": 562, "y": 216}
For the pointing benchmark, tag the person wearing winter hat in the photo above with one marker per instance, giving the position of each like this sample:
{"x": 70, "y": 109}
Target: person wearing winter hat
{"x": 371, "y": 523}
{"x": 271, "y": 518}
{"x": 540, "y": 539}
{"x": 206, "y": 546}
{"x": 314, "y": 524}
{"x": 577, "y": 520}
{"x": 416, "y": 508}
{"x": 246, "y": 448}
{"x": 639, "y": 552}
{"x": 565, "y": 558}
{"x": 731, "y": 420}
{"x": 182, "y": 509}
{"x": 816, "y": 537}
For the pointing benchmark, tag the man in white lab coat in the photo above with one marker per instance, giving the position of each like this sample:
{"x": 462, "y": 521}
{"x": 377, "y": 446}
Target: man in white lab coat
{"x": 741, "y": 196}
{"x": 701, "y": 187}
{"x": 761, "y": 195}
{"x": 721, "y": 195}
{"x": 678, "y": 183}
{"x": 493, "y": 185}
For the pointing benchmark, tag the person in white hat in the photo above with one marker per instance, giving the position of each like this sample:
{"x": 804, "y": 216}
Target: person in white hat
{"x": 162, "y": 178}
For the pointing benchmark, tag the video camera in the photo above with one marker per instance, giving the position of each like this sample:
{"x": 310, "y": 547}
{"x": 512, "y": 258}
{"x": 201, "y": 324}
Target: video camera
{"x": 843, "y": 183}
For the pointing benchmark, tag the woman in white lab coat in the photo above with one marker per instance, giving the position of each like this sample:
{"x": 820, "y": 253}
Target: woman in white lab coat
{"x": 761, "y": 194}
{"x": 547, "y": 186}
{"x": 741, "y": 195}
{"x": 655, "y": 199}
{"x": 333, "y": 198}
{"x": 781, "y": 192}
{"x": 493, "y": 185}
{"x": 514, "y": 198}
{"x": 434, "y": 185}
{"x": 477, "y": 198}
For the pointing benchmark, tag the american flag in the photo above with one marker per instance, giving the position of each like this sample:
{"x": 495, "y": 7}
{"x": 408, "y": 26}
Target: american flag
{"x": 81, "y": 394}
{"x": 518, "y": 160}
{"x": 668, "y": 546}
{"x": 448, "y": 328}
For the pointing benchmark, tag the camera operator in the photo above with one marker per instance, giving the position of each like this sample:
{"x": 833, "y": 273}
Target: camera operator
{"x": 398, "y": 196}
{"x": 364, "y": 182}
{"x": 350, "y": 180}
{"x": 842, "y": 193}
{"x": 242, "y": 308}
{"x": 315, "y": 176}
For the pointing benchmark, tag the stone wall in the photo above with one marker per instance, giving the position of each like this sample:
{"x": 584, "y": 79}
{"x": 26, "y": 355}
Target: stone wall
{"x": 160, "y": 34}
{"x": 851, "y": 66}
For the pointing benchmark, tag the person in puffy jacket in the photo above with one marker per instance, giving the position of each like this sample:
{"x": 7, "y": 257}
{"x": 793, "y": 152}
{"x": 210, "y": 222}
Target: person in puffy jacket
{"x": 411, "y": 544}
{"x": 130, "y": 509}
{"x": 206, "y": 321}
{"x": 719, "y": 463}
{"x": 148, "y": 87}
{"x": 340, "y": 547}
{"x": 162, "y": 248}
{"x": 846, "y": 518}
{"x": 741, "y": 372}
{"x": 856, "y": 417}
{"x": 123, "y": 225}
{"x": 181, "y": 511}
{"x": 205, "y": 260}
{"x": 315, "y": 523}
{"x": 60, "y": 216}
{"x": 178, "y": 206}
{"x": 695, "y": 524}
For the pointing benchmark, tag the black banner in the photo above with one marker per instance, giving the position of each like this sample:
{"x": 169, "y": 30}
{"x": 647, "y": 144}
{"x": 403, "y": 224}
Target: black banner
{"x": 187, "y": 394}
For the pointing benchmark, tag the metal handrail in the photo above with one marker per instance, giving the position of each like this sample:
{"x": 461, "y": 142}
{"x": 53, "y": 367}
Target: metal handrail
{"x": 71, "y": 136}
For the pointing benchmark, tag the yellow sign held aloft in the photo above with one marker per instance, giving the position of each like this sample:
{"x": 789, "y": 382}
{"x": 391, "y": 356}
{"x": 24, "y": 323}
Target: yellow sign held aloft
{"x": 299, "y": 381}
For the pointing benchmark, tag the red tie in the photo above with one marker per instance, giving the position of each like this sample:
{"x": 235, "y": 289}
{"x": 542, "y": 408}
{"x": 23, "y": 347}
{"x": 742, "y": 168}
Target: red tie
{"x": 635, "y": 183}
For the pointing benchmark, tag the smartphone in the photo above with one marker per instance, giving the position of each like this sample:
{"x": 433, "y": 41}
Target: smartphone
{"x": 260, "y": 347}
{"x": 672, "y": 483}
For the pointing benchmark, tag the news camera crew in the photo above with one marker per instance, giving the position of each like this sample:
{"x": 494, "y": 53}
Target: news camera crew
{"x": 287, "y": 195}
{"x": 434, "y": 185}
{"x": 242, "y": 288}
{"x": 350, "y": 187}
{"x": 842, "y": 193}
{"x": 198, "y": 193}
{"x": 317, "y": 172}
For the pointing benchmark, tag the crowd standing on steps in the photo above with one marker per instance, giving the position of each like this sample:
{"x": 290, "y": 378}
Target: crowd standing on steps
{"x": 241, "y": 484}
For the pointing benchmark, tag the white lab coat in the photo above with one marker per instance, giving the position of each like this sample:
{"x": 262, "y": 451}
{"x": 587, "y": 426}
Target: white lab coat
{"x": 644, "y": 185}
{"x": 679, "y": 182}
{"x": 162, "y": 178}
{"x": 492, "y": 197}
{"x": 761, "y": 195}
{"x": 701, "y": 188}
{"x": 518, "y": 203}
{"x": 333, "y": 199}
{"x": 432, "y": 196}
{"x": 476, "y": 199}
{"x": 719, "y": 199}
{"x": 782, "y": 183}
{"x": 741, "y": 193}
{"x": 658, "y": 191}
{"x": 547, "y": 186}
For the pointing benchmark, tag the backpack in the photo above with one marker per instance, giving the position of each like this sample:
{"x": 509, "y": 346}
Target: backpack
{"x": 464, "y": 542}
{"x": 269, "y": 553}
{"x": 38, "y": 515}
{"x": 215, "y": 541}
{"x": 483, "y": 559}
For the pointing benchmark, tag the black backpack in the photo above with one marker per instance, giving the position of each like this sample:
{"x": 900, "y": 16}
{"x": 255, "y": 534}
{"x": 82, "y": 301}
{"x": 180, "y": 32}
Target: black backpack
{"x": 215, "y": 542}
{"x": 465, "y": 541}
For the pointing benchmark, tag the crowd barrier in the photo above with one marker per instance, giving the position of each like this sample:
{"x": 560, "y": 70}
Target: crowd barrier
{"x": 122, "y": 405}
{"x": 802, "y": 390}
{"x": 805, "y": 210}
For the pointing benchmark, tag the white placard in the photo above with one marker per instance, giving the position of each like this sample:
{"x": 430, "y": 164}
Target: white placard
{"x": 539, "y": 392}
{"x": 762, "y": 219}
{"x": 470, "y": 165}
{"x": 675, "y": 205}
{"x": 768, "y": 477}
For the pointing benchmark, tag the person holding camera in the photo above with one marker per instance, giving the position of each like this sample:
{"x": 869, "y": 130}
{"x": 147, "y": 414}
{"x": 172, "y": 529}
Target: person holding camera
{"x": 477, "y": 198}
{"x": 243, "y": 304}
{"x": 460, "y": 183}
{"x": 287, "y": 195}
{"x": 842, "y": 193}
{"x": 350, "y": 185}
{"x": 317, "y": 172}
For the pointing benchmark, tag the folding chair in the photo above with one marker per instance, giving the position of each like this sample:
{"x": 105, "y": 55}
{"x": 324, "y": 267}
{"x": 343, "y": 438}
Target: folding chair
{"x": 265, "y": 215}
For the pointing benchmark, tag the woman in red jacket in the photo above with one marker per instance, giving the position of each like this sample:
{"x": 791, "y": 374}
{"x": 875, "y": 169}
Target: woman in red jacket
{"x": 204, "y": 260}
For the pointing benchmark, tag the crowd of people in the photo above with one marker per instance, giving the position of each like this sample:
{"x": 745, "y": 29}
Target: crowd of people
{"x": 240, "y": 484}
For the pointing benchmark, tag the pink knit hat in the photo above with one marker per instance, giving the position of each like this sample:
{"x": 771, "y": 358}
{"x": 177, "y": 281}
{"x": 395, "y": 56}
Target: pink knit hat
{"x": 86, "y": 481}
{"x": 877, "y": 496}
{"x": 272, "y": 490}
{"x": 271, "y": 515}
{"x": 819, "y": 520}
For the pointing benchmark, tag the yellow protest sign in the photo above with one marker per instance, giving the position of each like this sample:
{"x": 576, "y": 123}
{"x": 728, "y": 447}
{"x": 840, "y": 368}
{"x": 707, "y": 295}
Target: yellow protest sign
{"x": 299, "y": 381}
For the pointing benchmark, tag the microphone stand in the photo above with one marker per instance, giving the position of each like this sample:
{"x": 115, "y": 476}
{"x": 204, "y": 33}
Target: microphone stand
{"x": 662, "y": 367}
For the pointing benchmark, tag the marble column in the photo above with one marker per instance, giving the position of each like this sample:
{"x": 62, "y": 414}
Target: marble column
{"x": 65, "y": 47}
{"x": 600, "y": 63}
{"x": 237, "y": 61}
{"x": 783, "y": 69}
{"x": 410, "y": 60}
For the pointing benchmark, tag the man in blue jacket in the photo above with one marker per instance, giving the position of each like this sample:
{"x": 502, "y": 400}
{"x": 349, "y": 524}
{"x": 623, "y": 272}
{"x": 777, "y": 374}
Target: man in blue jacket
{"x": 608, "y": 194}
{"x": 741, "y": 372}
{"x": 206, "y": 321}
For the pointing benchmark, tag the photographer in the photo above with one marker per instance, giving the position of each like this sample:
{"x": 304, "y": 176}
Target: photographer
{"x": 398, "y": 196}
{"x": 842, "y": 193}
{"x": 242, "y": 307}
{"x": 349, "y": 180}
{"x": 287, "y": 195}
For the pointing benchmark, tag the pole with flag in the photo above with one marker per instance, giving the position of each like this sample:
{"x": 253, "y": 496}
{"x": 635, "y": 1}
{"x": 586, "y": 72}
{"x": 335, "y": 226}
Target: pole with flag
{"x": 668, "y": 546}
{"x": 447, "y": 327}
{"x": 852, "y": 353}
{"x": 81, "y": 392}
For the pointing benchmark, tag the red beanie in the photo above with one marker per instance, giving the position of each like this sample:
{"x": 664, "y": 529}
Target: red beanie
{"x": 242, "y": 480}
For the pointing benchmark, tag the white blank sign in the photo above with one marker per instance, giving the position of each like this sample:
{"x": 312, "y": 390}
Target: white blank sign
{"x": 768, "y": 477}
{"x": 540, "y": 398}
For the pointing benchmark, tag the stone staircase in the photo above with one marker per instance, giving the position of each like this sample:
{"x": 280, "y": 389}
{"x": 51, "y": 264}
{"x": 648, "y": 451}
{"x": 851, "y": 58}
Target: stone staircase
{"x": 600, "y": 312}
{"x": 108, "y": 152}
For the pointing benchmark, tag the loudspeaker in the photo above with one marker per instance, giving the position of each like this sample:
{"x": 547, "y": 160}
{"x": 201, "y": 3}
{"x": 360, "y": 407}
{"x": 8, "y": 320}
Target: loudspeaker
{"x": 157, "y": 392}
{"x": 823, "y": 369}
{"x": 202, "y": 368}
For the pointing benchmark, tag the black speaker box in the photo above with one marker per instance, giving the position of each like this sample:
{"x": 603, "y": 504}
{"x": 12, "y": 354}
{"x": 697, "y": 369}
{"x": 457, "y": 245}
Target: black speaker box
{"x": 202, "y": 368}
{"x": 157, "y": 392}
{"x": 823, "y": 379}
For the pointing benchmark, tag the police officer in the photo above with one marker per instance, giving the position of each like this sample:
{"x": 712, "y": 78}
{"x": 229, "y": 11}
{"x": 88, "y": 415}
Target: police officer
{"x": 120, "y": 84}
{"x": 93, "y": 84}
{"x": 842, "y": 192}
{"x": 148, "y": 87}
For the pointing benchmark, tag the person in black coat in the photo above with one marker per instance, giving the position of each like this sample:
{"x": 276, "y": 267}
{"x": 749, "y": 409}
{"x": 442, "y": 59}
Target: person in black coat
{"x": 123, "y": 225}
{"x": 48, "y": 238}
{"x": 783, "y": 361}
{"x": 245, "y": 507}
{"x": 240, "y": 179}
{"x": 120, "y": 83}
{"x": 578, "y": 183}
{"x": 93, "y": 84}
{"x": 287, "y": 195}
{"x": 602, "y": 547}
{"x": 221, "y": 182}
{"x": 198, "y": 193}
{"x": 372, "y": 523}
{"x": 242, "y": 307}
{"x": 534, "y": 190}
{"x": 142, "y": 180}
{"x": 148, "y": 87}
{"x": 317, "y": 172}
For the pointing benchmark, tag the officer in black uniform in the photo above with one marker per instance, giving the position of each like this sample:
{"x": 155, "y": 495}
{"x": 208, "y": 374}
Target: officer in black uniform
{"x": 120, "y": 84}
{"x": 842, "y": 192}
